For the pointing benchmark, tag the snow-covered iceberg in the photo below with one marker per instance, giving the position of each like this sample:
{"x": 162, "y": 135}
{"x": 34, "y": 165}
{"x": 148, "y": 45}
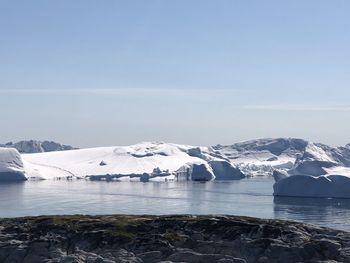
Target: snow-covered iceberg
{"x": 321, "y": 171}
{"x": 11, "y": 165}
{"x": 314, "y": 161}
{"x": 263, "y": 156}
{"x": 141, "y": 162}
{"x": 296, "y": 156}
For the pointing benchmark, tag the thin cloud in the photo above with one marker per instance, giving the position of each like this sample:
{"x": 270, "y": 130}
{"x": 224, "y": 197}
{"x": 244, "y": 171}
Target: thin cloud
{"x": 297, "y": 107}
{"x": 143, "y": 91}
{"x": 95, "y": 91}
{"x": 70, "y": 91}
{"x": 28, "y": 91}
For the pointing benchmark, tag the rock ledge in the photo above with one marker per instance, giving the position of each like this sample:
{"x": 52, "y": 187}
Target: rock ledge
{"x": 182, "y": 238}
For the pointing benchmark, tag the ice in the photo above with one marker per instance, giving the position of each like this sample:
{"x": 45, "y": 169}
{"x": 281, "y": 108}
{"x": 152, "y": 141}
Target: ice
{"x": 331, "y": 186}
{"x": 132, "y": 163}
{"x": 11, "y": 165}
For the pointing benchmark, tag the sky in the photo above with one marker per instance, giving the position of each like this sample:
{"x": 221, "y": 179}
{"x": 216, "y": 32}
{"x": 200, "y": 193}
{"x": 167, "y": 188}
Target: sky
{"x": 97, "y": 73}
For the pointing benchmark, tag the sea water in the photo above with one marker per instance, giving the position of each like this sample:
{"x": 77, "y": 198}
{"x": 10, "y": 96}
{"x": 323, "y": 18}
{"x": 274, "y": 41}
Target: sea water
{"x": 247, "y": 197}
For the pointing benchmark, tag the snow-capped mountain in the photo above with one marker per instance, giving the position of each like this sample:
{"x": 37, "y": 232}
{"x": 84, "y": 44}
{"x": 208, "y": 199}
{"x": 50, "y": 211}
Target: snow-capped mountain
{"x": 143, "y": 161}
{"x": 33, "y": 146}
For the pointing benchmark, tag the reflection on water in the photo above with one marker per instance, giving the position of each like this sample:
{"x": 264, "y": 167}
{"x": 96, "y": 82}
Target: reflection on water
{"x": 331, "y": 212}
{"x": 249, "y": 197}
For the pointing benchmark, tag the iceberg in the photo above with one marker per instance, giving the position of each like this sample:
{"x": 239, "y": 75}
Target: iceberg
{"x": 263, "y": 156}
{"x": 296, "y": 156}
{"x": 33, "y": 146}
{"x": 313, "y": 161}
{"x": 148, "y": 161}
{"x": 224, "y": 170}
{"x": 330, "y": 186}
{"x": 11, "y": 165}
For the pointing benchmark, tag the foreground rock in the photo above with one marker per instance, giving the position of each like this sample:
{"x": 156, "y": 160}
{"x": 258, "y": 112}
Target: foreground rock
{"x": 137, "y": 239}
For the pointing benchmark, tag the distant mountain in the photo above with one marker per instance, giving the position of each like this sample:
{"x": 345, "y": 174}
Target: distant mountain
{"x": 33, "y": 146}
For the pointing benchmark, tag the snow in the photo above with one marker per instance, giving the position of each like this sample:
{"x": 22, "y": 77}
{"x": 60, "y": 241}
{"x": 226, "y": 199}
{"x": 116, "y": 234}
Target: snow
{"x": 340, "y": 170}
{"x": 262, "y": 156}
{"x": 314, "y": 161}
{"x": 128, "y": 163}
{"x": 316, "y": 153}
{"x": 295, "y": 156}
{"x": 11, "y": 165}
{"x": 255, "y": 164}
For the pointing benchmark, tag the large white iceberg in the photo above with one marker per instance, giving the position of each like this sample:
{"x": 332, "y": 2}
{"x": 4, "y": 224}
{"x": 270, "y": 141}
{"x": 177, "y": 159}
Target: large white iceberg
{"x": 143, "y": 161}
{"x": 11, "y": 165}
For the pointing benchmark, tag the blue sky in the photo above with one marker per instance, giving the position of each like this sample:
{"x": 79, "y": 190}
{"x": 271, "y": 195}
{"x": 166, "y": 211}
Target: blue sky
{"x": 95, "y": 73}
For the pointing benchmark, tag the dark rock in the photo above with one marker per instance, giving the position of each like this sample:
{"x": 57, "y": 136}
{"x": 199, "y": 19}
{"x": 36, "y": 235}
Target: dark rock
{"x": 194, "y": 257}
{"x": 143, "y": 239}
{"x": 151, "y": 256}
{"x": 103, "y": 163}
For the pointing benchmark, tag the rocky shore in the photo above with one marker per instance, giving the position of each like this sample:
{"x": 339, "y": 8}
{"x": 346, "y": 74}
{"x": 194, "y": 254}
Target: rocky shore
{"x": 148, "y": 239}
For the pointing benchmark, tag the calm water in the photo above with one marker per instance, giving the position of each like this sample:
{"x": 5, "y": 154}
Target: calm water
{"x": 250, "y": 197}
